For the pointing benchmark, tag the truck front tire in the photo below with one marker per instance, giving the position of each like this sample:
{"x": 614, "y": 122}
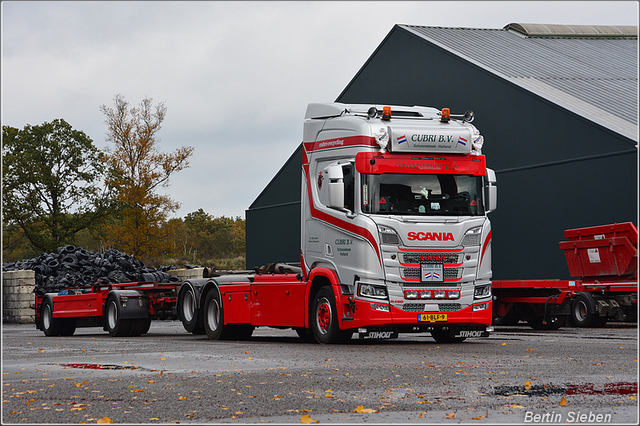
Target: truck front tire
{"x": 324, "y": 321}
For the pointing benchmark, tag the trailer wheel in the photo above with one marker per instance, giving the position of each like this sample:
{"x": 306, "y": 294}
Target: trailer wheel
{"x": 140, "y": 326}
{"x": 443, "y": 336}
{"x": 324, "y": 323}
{"x": 213, "y": 318}
{"x": 553, "y": 323}
{"x": 68, "y": 327}
{"x": 50, "y": 325}
{"x": 583, "y": 311}
{"x": 116, "y": 326}
{"x": 189, "y": 312}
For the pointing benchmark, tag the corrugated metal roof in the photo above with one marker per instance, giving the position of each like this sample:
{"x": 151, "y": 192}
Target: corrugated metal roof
{"x": 550, "y": 30}
{"x": 595, "y": 77}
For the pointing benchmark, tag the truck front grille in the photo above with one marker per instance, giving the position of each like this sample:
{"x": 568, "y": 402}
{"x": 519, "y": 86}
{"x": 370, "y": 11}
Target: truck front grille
{"x": 450, "y": 258}
{"x": 414, "y": 273}
{"x": 442, "y": 307}
{"x": 413, "y": 307}
{"x": 448, "y": 307}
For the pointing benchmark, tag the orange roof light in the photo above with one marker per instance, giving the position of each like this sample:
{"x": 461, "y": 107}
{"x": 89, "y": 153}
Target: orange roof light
{"x": 386, "y": 113}
{"x": 445, "y": 115}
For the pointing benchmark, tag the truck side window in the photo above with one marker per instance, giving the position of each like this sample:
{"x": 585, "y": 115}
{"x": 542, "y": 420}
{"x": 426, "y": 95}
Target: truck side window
{"x": 349, "y": 187}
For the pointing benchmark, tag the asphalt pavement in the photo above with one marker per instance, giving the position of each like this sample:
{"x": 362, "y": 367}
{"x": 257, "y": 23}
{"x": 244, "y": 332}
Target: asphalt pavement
{"x": 167, "y": 376}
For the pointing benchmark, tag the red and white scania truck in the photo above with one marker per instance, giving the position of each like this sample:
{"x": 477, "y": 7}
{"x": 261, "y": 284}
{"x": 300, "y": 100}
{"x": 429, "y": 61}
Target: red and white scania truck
{"x": 394, "y": 235}
{"x": 395, "y": 238}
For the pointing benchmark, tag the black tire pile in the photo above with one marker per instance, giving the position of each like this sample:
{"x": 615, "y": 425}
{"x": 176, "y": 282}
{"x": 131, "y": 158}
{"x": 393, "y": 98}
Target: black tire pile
{"x": 76, "y": 267}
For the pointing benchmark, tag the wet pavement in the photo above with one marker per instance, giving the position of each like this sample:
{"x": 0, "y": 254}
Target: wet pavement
{"x": 517, "y": 375}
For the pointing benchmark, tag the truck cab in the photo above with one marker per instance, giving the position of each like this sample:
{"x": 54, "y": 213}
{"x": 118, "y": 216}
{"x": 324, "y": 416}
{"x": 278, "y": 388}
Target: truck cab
{"x": 395, "y": 202}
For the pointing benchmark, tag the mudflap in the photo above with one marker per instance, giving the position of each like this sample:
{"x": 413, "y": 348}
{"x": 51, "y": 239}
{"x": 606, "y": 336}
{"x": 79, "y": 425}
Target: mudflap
{"x": 378, "y": 335}
{"x": 470, "y": 332}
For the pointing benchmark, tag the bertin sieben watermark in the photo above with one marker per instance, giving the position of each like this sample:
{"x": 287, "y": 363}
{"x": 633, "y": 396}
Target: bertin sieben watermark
{"x": 568, "y": 417}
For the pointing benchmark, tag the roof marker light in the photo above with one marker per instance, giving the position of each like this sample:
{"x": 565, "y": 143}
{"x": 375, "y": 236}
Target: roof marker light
{"x": 386, "y": 113}
{"x": 445, "y": 115}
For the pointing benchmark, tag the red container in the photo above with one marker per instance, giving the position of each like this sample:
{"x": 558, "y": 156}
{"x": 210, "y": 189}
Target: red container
{"x": 605, "y": 250}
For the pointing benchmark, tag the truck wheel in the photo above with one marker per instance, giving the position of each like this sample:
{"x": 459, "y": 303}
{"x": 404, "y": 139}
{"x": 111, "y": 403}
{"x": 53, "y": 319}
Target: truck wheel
{"x": 442, "y": 336}
{"x": 140, "y": 326}
{"x": 50, "y": 325}
{"x": 213, "y": 318}
{"x": 304, "y": 335}
{"x": 583, "y": 311}
{"x": 189, "y": 312}
{"x": 116, "y": 326}
{"x": 325, "y": 319}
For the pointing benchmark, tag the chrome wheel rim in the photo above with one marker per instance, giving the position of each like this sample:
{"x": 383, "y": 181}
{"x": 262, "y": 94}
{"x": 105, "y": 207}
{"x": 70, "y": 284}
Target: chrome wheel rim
{"x": 112, "y": 315}
{"x": 188, "y": 306}
{"x": 213, "y": 315}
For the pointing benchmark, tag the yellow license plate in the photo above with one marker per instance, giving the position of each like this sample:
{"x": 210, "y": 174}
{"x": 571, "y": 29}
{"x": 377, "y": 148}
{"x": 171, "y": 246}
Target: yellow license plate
{"x": 432, "y": 317}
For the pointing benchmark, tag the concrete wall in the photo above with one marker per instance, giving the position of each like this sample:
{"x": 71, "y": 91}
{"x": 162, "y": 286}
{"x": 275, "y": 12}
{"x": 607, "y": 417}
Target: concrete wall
{"x": 186, "y": 274}
{"x": 17, "y": 296}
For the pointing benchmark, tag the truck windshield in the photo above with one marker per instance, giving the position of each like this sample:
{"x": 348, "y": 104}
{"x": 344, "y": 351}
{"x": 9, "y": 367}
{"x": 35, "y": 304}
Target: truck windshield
{"x": 424, "y": 195}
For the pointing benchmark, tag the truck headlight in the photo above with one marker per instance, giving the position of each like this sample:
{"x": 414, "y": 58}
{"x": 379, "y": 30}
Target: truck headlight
{"x": 480, "y": 307}
{"x": 378, "y": 307}
{"x": 370, "y": 290}
{"x": 472, "y": 237}
{"x": 388, "y": 236}
{"x": 482, "y": 291}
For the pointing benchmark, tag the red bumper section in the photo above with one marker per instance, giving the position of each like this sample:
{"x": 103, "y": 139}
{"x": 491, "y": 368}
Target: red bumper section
{"x": 368, "y": 314}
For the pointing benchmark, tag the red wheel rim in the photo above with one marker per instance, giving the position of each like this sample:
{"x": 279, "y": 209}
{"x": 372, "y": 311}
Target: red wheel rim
{"x": 324, "y": 315}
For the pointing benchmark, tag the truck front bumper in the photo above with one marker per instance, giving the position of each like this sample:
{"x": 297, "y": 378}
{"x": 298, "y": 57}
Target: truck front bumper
{"x": 371, "y": 314}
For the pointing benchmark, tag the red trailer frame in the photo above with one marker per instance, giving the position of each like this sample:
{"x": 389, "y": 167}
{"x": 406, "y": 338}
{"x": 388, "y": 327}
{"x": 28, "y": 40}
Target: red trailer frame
{"x": 605, "y": 260}
{"x": 136, "y": 304}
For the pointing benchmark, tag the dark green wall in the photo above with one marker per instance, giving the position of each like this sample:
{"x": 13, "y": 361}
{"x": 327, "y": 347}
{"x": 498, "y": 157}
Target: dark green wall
{"x": 555, "y": 169}
{"x": 273, "y": 220}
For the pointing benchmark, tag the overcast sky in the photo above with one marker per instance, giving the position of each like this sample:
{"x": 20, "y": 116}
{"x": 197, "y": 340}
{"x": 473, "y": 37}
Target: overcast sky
{"x": 236, "y": 77}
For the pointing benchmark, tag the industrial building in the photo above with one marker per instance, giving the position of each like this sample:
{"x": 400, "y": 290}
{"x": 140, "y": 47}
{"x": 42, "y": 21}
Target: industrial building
{"x": 558, "y": 108}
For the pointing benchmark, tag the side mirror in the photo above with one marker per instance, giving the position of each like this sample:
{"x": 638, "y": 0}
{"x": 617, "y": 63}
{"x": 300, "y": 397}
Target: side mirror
{"x": 491, "y": 191}
{"x": 336, "y": 186}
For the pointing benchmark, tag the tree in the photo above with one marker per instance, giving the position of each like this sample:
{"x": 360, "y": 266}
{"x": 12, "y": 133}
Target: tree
{"x": 137, "y": 170}
{"x": 216, "y": 237}
{"x": 52, "y": 183}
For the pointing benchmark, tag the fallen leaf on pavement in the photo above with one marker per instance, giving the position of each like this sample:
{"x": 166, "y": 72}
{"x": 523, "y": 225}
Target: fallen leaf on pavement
{"x": 513, "y": 406}
{"x": 307, "y": 419}
{"x": 361, "y": 409}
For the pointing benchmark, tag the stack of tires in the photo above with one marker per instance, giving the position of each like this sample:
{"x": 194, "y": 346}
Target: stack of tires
{"x": 71, "y": 267}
